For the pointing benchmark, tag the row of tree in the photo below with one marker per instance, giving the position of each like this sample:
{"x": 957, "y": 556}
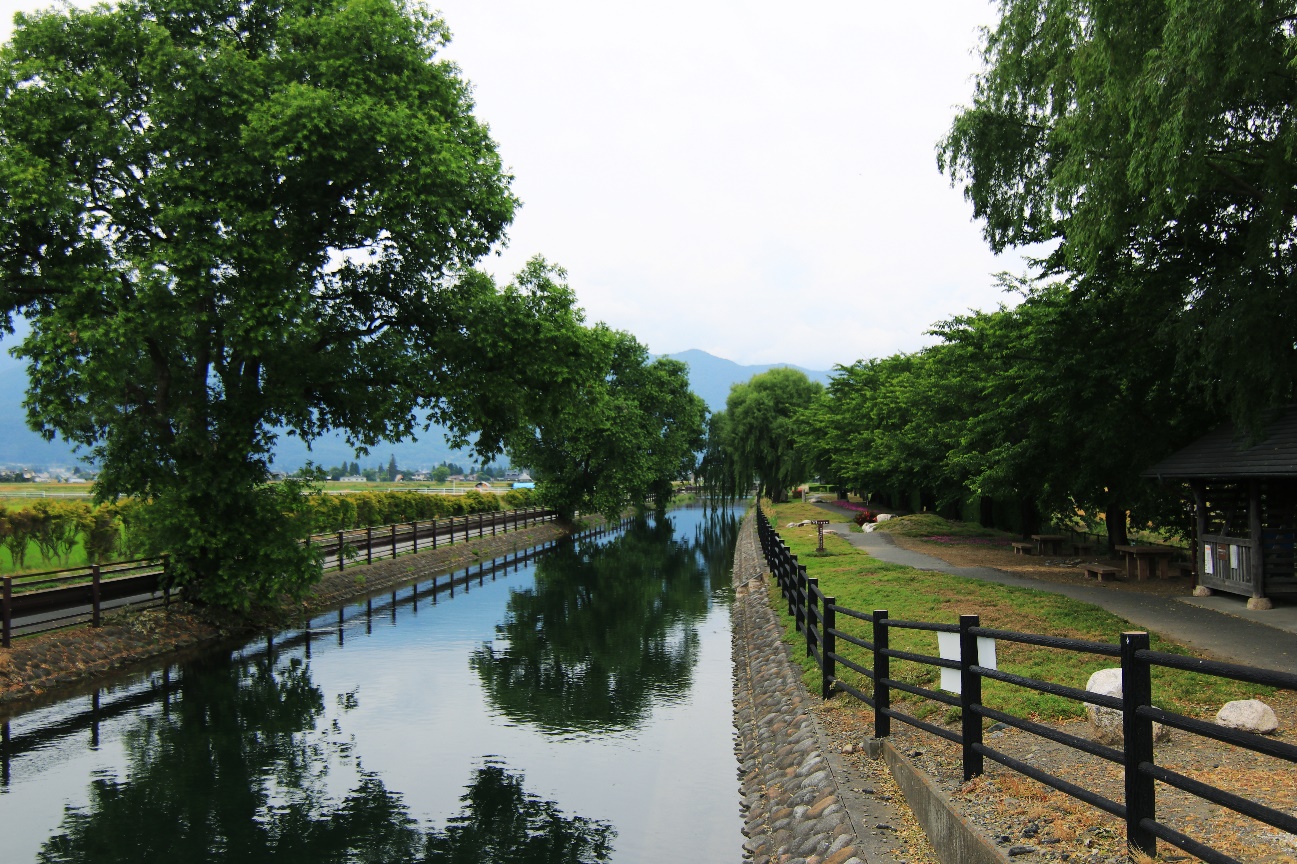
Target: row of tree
{"x": 1147, "y": 147}
{"x": 227, "y": 218}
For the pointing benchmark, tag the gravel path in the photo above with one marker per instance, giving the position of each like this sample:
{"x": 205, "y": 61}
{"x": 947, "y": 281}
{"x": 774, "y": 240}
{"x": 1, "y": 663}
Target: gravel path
{"x": 801, "y": 803}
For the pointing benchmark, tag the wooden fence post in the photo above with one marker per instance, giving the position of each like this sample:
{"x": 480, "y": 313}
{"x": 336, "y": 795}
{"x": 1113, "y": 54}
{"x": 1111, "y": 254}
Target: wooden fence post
{"x": 434, "y": 535}
{"x": 94, "y": 595}
{"x": 828, "y": 646}
{"x": 1137, "y": 691}
{"x": 882, "y": 671}
{"x": 970, "y": 694}
{"x": 341, "y": 544}
{"x": 393, "y": 539}
{"x": 166, "y": 578}
{"x": 414, "y": 530}
{"x": 369, "y": 544}
{"x": 8, "y": 610}
{"x": 812, "y": 617}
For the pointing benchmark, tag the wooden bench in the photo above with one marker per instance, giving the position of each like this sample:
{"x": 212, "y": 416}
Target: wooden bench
{"x": 1023, "y": 548}
{"x": 1102, "y": 572}
{"x": 1183, "y": 569}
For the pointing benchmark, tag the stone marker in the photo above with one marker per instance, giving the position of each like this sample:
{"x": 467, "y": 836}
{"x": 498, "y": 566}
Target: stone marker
{"x": 1107, "y": 722}
{"x": 1250, "y": 715}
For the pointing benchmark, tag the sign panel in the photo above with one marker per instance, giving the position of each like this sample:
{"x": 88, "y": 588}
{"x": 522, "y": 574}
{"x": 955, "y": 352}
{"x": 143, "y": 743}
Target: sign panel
{"x": 948, "y": 648}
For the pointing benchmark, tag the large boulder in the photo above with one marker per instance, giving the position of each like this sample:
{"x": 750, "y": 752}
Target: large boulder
{"x": 1249, "y": 715}
{"x": 1107, "y": 722}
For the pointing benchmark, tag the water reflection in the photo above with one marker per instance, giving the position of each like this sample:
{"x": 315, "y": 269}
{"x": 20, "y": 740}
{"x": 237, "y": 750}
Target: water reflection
{"x": 235, "y": 770}
{"x": 608, "y": 628}
{"x": 501, "y": 822}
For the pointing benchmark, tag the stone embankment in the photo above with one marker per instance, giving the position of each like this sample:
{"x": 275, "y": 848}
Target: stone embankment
{"x": 794, "y": 788}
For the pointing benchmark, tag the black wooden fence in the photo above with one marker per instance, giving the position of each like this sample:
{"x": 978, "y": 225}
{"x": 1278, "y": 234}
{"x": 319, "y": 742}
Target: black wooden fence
{"x": 36, "y": 602}
{"x": 816, "y": 617}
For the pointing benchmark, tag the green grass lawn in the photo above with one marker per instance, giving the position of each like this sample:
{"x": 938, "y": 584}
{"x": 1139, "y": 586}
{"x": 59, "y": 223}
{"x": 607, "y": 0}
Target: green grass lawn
{"x": 861, "y": 582}
{"x": 35, "y": 564}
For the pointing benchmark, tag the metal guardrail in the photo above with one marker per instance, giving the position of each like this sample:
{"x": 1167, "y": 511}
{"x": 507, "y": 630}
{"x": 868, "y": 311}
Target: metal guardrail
{"x": 815, "y": 614}
{"x": 56, "y": 598}
{"x": 41, "y": 493}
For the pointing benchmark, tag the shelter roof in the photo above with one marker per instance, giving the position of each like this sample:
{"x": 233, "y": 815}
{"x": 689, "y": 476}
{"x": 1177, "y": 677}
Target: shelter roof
{"x": 1226, "y": 453}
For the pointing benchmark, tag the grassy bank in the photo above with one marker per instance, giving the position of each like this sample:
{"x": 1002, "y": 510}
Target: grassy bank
{"x": 861, "y": 582}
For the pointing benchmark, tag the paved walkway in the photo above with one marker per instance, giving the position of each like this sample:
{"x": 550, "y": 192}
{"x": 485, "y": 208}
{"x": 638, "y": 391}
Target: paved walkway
{"x": 1265, "y": 639}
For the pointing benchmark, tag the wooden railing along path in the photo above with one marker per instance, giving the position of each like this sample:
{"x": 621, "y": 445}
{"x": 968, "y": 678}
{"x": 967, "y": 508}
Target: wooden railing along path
{"x": 35, "y": 602}
{"x": 816, "y": 614}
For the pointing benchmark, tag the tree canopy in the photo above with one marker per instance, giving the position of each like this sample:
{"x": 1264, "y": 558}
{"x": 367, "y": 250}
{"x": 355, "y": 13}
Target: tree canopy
{"x": 230, "y": 218}
{"x": 1150, "y": 142}
{"x": 758, "y": 432}
{"x": 613, "y": 428}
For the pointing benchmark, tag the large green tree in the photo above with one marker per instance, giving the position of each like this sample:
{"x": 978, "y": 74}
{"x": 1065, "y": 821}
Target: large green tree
{"x": 227, "y": 218}
{"x": 1151, "y": 143}
{"x": 760, "y": 429}
{"x": 612, "y": 430}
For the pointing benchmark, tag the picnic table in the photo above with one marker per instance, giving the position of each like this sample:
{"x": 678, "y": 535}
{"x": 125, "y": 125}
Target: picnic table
{"x": 1049, "y": 544}
{"x": 1146, "y": 562}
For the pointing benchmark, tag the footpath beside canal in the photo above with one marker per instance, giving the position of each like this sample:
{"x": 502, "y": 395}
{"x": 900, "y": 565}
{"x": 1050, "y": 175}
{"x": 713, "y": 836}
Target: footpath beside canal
{"x": 798, "y": 801}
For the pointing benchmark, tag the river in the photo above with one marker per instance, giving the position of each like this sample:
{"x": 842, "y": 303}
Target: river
{"x": 576, "y": 707}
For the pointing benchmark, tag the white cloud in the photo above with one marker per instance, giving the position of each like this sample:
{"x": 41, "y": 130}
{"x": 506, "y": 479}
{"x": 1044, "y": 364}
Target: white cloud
{"x": 754, "y": 179}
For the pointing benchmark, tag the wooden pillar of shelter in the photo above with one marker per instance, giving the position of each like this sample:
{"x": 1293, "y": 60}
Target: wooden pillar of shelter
{"x": 1199, "y": 488}
{"x": 1258, "y": 600}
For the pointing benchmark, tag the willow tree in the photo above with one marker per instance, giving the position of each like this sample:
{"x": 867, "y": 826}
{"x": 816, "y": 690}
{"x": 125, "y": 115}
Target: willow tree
{"x": 227, "y": 218}
{"x": 1151, "y": 143}
{"x": 760, "y": 429}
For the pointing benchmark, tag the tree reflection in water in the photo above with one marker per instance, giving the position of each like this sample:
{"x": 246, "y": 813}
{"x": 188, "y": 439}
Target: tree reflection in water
{"x": 503, "y": 823}
{"x": 607, "y": 630}
{"x": 235, "y": 770}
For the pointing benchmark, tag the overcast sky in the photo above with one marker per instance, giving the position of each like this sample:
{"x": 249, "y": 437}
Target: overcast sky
{"x": 754, "y": 179}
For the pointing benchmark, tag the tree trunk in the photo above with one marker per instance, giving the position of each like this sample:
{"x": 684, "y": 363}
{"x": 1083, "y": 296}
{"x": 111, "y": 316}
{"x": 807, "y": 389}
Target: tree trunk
{"x": 1030, "y": 517}
{"x": 986, "y": 511}
{"x": 1115, "y": 517}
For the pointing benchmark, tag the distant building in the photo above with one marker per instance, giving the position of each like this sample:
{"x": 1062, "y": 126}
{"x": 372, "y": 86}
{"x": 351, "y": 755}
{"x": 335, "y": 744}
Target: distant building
{"x": 353, "y": 478}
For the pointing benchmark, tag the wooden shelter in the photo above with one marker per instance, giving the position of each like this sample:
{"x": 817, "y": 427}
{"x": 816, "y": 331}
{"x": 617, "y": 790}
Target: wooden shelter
{"x": 1245, "y": 503}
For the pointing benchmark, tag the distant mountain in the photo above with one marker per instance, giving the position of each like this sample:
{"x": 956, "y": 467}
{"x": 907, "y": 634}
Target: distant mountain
{"x": 22, "y": 448}
{"x": 711, "y": 377}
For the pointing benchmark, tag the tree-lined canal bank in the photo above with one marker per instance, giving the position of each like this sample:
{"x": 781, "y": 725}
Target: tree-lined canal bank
{"x": 576, "y": 709}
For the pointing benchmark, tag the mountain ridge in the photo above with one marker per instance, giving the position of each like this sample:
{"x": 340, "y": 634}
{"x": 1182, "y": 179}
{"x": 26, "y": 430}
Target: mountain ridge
{"x": 709, "y": 376}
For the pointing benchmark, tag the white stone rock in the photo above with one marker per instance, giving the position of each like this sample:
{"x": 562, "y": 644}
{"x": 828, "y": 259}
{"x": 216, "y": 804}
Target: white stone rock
{"x": 1250, "y": 715}
{"x": 1107, "y": 722}
{"x": 883, "y": 517}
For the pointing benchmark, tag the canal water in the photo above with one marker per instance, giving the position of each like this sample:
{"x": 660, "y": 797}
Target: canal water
{"x": 572, "y": 707}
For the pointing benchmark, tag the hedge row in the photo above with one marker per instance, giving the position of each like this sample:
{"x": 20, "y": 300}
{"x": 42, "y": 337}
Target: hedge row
{"x": 110, "y": 532}
{"x": 366, "y": 509}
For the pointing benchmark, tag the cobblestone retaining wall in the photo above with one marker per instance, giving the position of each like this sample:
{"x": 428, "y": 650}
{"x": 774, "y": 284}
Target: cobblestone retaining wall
{"x": 790, "y": 803}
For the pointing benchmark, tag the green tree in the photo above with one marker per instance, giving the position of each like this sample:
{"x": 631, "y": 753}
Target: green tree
{"x": 392, "y": 470}
{"x": 614, "y": 430}
{"x": 1151, "y": 143}
{"x": 240, "y": 216}
{"x": 760, "y": 429}
{"x": 440, "y": 474}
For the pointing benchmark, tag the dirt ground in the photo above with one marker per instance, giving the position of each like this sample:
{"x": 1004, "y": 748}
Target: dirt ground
{"x": 1040, "y": 824}
{"x": 1044, "y": 568}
